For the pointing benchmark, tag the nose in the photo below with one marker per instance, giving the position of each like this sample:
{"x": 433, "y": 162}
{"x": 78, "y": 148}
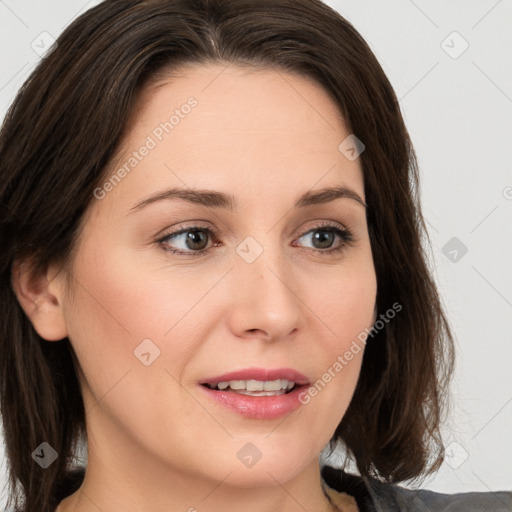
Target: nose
{"x": 266, "y": 300}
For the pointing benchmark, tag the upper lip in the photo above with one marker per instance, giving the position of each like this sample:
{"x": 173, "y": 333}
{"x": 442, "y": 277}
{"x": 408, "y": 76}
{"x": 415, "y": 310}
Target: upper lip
{"x": 262, "y": 374}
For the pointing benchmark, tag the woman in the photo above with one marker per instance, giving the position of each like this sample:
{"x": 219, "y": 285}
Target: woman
{"x": 211, "y": 376}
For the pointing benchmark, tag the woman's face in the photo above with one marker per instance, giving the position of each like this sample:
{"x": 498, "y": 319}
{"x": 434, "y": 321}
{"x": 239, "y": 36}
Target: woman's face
{"x": 150, "y": 326}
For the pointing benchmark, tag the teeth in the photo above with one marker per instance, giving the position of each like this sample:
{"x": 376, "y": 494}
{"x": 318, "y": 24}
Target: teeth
{"x": 255, "y": 385}
{"x": 274, "y": 385}
{"x": 237, "y": 384}
{"x": 261, "y": 393}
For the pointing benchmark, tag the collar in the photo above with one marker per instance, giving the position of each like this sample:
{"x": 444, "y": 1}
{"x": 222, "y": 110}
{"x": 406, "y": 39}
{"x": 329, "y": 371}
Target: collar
{"x": 348, "y": 490}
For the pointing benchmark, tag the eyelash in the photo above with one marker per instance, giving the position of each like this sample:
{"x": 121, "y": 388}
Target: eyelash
{"x": 346, "y": 236}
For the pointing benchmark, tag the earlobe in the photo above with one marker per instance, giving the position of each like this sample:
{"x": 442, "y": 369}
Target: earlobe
{"x": 40, "y": 295}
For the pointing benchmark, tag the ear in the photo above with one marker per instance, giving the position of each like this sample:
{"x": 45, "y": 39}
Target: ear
{"x": 41, "y": 295}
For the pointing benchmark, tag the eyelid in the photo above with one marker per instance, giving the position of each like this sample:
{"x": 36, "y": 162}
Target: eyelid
{"x": 185, "y": 226}
{"x": 320, "y": 224}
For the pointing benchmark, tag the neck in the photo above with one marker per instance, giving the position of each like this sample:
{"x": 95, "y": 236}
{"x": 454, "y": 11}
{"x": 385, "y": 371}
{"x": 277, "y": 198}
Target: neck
{"x": 112, "y": 484}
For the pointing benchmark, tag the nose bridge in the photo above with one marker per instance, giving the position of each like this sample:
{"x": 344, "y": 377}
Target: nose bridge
{"x": 267, "y": 299}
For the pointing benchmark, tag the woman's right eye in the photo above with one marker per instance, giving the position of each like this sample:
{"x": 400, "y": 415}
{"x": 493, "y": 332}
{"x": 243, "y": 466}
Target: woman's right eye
{"x": 193, "y": 240}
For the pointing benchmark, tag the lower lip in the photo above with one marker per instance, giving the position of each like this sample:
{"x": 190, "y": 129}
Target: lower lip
{"x": 257, "y": 407}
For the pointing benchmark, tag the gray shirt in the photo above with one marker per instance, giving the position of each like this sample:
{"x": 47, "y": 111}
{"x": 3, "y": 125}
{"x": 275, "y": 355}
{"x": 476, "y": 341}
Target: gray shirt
{"x": 374, "y": 496}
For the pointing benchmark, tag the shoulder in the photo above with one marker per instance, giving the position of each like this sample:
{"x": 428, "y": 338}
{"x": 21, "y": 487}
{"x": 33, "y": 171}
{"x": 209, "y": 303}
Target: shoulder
{"x": 375, "y": 496}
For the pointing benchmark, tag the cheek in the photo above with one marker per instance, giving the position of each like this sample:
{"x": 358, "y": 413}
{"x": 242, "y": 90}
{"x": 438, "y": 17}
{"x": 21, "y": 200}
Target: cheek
{"x": 130, "y": 298}
{"x": 343, "y": 303}
{"x": 120, "y": 301}
{"x": 114, "y": 310}
{"x": 344, "y": 308}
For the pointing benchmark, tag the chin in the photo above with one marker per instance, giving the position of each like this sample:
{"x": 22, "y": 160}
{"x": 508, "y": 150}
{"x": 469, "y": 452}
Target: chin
{"x": 261, "y": 464}
{"x": 262, "y": 474}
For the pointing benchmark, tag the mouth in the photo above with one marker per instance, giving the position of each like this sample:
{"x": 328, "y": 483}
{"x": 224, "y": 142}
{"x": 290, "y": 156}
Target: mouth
{"x": 257, "y": 393}
{"x": 253, "y": 387}
{"x": 258, "y": 381}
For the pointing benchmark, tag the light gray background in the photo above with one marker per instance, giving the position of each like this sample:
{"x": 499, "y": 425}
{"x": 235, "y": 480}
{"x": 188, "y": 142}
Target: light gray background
{"x": 458, "y": 109}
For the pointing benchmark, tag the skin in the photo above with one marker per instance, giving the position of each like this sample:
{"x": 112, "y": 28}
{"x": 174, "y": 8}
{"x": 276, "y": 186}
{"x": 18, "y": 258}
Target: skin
{"x": 155, "y": 442}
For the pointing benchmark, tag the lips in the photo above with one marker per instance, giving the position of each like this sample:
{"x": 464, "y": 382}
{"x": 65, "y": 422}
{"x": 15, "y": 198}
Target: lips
{"x": 260, "y": 374}
{"x": 256, "y": 405}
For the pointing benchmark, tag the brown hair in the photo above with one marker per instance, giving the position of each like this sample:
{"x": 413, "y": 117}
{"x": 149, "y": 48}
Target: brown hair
{"x": 59, "y": 138}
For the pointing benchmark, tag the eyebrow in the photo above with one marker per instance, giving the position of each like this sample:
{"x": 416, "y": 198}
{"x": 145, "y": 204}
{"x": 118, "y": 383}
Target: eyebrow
{"x": 215, "y": 199}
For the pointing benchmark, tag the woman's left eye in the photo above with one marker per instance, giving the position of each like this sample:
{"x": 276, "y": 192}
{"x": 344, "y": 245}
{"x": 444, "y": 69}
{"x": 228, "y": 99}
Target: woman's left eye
{"x": 194, "y": 239}
{"x": 324, "y": 236}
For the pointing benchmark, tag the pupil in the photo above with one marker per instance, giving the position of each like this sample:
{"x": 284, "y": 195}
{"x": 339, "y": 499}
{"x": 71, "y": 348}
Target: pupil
{"x": 196, "y": 237}
{"x": 322, "y": 236}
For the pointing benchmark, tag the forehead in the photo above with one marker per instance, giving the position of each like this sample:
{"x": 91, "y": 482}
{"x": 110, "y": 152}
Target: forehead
{"x": 242, "y": 99}
{"x": 248, "y": 127}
